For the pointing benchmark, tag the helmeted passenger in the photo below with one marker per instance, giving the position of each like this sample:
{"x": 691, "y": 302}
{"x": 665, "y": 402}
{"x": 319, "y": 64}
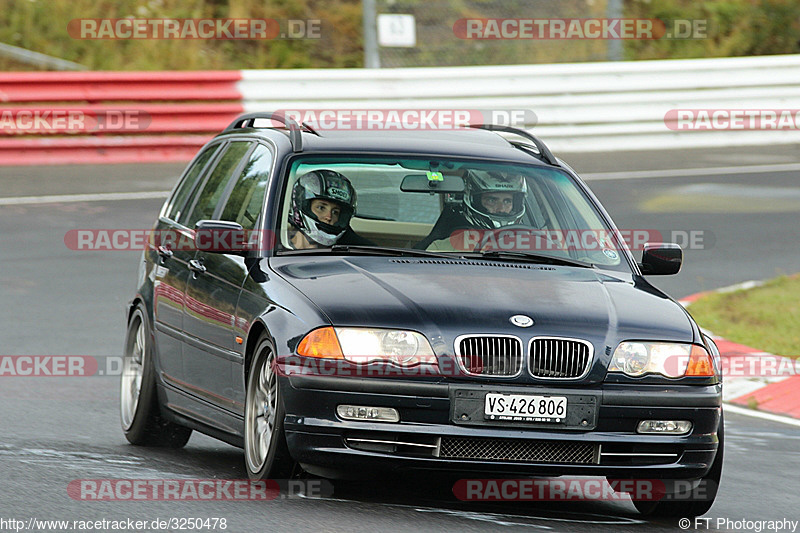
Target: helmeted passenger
{"x": 323, "y": 203}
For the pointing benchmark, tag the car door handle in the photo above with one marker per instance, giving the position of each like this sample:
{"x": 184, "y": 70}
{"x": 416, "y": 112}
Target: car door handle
{"x": 164, "y": 252}
{"x": 196, "y": 266}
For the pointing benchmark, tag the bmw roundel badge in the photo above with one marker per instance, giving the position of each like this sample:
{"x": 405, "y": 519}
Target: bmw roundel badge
{"x": 521, "y": 321}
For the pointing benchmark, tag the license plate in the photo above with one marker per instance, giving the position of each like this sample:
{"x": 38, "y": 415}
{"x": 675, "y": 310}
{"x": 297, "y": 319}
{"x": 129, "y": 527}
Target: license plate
{"x": 525, "y": 407}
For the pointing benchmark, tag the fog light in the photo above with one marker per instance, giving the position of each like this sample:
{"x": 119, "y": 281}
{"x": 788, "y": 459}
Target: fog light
{"x": 673, "y": 427}
{"x": 367, "y": 413}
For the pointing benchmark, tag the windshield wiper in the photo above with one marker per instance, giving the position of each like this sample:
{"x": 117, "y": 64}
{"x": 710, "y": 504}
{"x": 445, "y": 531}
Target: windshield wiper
{"x": 356, "y": 249}
{"x": 527, "y": 256}
{"x": 367, "y": 250}
{"x": 383, "y": 250}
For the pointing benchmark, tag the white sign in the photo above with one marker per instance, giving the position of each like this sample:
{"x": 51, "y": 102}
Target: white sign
{"x": 397, "y": 30}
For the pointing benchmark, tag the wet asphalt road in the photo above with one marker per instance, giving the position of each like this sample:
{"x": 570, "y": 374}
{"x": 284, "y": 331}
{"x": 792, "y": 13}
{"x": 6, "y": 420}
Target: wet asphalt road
{"x": 58, "y": 301}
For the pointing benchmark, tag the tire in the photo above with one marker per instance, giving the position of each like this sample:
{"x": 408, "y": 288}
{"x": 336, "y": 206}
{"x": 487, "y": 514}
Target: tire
{"x": 693, "y": 507}
{"x": 265, "y": 449}
{"x": 140, "y": 412}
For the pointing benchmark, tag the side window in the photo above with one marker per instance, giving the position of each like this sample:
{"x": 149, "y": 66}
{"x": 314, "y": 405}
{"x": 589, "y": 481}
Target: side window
{"x": 247, "y": 198}
{"x": 178, "y": 202}
{"x": 214, "y": 187}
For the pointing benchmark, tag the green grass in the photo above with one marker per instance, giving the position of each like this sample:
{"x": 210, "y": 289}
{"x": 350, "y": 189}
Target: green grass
{"x": 765, "y": 317}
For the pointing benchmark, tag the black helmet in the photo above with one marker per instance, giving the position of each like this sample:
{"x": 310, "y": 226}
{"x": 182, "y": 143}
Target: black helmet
{"x": 478, "y": 182}
{"x": 322, "y": 185}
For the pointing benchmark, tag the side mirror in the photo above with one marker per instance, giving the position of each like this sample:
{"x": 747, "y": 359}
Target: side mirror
{"x": 661, "y": 258}
{"x": 220, "y": 236}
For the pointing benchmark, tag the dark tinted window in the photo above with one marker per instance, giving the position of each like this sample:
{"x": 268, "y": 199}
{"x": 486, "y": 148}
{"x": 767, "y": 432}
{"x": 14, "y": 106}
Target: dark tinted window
{"x": 247, "y": 197}
{"x": 178, "y": 202}
{"x": 214, "y": 187}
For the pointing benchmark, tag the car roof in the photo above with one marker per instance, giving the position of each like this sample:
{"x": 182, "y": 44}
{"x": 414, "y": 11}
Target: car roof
{"x": 471, "y": 143}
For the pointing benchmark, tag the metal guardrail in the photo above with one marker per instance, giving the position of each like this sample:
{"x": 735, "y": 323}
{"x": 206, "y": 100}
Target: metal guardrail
{"x": 112, "y": 117}
{"x": 579, "y": 107}
{"x": 214, "y": 85}
{"x": 36, "y": 59}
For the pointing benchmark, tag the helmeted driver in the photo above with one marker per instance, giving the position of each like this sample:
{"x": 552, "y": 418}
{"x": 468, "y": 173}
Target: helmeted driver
{"x": 493, "y": 199}
{"x": 323, "y": 202}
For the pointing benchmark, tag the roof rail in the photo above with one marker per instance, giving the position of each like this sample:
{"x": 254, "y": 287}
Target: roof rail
{"x": 545, "y": 152}
{"x": 248, "y": 120}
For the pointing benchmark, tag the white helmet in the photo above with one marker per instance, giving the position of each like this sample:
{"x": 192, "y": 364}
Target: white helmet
{"x": 322, "y": 185}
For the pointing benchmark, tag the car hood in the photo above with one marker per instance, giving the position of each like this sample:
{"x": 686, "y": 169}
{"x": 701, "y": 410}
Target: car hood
{"x": 445, "y": 298}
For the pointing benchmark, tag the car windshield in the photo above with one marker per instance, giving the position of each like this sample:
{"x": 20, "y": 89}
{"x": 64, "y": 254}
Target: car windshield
{"x": 499, "y": 210}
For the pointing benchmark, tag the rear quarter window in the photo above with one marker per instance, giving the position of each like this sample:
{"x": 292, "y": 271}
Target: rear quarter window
{"x": 178, "y": 201}
{"x": 214, "y": 188}
{"x": 247, "y": 197}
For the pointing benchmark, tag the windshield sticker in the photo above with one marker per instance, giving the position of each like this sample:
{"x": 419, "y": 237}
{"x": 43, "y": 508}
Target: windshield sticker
{"x": 435, "y": 176}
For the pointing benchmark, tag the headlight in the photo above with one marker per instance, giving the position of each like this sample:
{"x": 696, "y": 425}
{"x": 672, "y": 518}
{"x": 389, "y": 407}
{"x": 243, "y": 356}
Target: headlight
{"x": 670, "y": 359}
{"x": 363, "y": 345}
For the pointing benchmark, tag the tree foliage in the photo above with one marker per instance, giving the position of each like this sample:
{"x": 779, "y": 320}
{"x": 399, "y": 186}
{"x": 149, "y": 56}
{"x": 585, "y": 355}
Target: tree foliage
{"x": 734, "y": 28}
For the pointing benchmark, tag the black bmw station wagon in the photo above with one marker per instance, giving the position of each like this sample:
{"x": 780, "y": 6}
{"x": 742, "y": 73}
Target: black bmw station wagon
{"x": 443, "y": 300}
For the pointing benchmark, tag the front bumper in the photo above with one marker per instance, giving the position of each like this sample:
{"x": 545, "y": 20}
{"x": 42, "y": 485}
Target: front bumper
{"x": 432, "y": 436}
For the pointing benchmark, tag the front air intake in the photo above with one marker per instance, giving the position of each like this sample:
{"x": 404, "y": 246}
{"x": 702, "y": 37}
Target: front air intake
{"x": 490, "y": 355}
{"x": 519, "y": 450}
{"x": 557, "y": 358}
